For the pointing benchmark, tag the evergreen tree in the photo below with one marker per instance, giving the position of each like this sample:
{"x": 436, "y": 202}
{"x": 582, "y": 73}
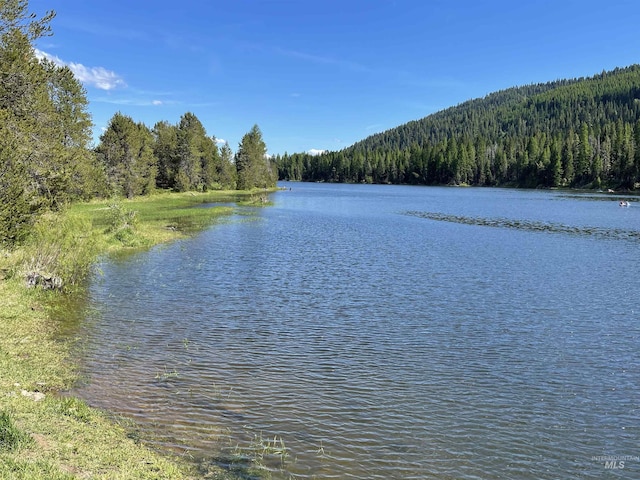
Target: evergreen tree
{"x": 126, "y": 149}
{"x": 16, "y": 201}
{"x": 165, "y": 149}
{"x": 555, "y": 165}
{"x": 583, "y": 160}
{"x": 45, "y": 127}
{"x": 254, "y": 168}
{"x": 190, "y": 134}
{"x": 227, "y": 171}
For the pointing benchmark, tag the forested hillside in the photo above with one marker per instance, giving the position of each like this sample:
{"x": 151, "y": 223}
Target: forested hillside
{"x": 47, "y": 159}
{"x": 572, "y": 133}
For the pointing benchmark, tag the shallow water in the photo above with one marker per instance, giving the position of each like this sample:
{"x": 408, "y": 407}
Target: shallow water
{"x": 383, "y": 332}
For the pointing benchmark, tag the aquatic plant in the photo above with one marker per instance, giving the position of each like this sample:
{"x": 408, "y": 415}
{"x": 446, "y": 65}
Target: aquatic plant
{"x": 166, "y": 375}
{"x": 532, "y": 226}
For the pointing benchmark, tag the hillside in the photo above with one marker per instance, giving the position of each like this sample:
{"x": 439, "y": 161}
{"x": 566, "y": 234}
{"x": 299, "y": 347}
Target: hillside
{"x": 581, "y": 133}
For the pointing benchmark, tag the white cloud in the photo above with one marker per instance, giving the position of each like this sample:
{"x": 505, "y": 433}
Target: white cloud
{"x": 157, "y": 102}
{"x": 99, "y": 77}
{"x": 315, "y": 151}
{"x": 220, "y": 141}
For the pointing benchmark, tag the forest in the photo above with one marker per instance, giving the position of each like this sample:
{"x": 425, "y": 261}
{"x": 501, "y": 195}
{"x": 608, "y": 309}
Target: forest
{"x": 47, "y": 156}
{"x": 580, "y": 133}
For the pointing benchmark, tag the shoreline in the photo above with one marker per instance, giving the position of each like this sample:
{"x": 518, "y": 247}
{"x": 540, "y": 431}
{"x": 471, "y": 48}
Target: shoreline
{"x": 46, "y": 435}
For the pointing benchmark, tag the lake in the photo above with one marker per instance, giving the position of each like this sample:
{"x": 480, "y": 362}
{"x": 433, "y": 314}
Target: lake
{"x": 380, "y": 332}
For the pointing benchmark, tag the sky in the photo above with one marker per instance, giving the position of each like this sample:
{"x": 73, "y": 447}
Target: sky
{"x": 322, "y": 75}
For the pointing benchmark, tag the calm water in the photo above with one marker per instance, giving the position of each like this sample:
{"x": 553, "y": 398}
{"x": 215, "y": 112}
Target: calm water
{"x": 384, "y": 332}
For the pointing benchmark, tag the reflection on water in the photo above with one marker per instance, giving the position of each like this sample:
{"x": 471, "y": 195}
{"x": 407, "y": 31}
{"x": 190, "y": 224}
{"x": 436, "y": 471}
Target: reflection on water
{"x": 376, "y": 344}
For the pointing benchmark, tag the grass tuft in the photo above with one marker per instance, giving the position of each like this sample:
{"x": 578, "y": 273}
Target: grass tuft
{"x": 11, "y": 438}
{"x": 59, "y": 253}
{"x": 75, "y": 408}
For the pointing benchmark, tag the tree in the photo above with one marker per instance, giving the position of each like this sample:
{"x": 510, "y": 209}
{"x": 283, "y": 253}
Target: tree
{"x": 227, "y": 170}
{"x": 126, "y": 149}
{"x": 45, "y": 127}
{"x": 555, "y": 164}
{"x": 77, "y": 170}
{"x": 583, "y": 160}
{"x": 165, "y": 149}
{"x": 16, "y": 201}
{"x": 253, "y": 166}
{"x": 190, "y": 159}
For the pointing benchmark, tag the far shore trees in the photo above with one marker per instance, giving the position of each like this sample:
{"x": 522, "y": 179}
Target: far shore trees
{"x": 580, "y": 133}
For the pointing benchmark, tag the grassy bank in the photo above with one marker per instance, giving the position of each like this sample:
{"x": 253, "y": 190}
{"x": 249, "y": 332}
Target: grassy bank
{"x": 44, "y": 435}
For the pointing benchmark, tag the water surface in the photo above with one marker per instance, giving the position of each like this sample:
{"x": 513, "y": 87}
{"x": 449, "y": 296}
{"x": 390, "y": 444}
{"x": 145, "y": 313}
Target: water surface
{"x": 384, "y": 332}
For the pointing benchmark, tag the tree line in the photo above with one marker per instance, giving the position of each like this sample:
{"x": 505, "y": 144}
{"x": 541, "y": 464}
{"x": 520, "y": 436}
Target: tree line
{"x": 569, "y": 133}
{"x": 47, "y": 159}
{"x": 138, "y": 160}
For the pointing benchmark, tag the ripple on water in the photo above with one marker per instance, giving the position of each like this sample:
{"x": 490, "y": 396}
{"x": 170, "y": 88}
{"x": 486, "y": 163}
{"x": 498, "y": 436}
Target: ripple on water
{"x": 378, "y": 345}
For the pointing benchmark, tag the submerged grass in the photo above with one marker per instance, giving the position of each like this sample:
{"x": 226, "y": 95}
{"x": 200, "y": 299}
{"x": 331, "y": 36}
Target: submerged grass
{"x": 44, "y": 435}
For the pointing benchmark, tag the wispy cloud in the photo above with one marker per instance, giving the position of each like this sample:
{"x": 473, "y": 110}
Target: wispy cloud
{"x": 323, "y": 60}
{"x": 98, "y": 77}
{"x": 132, "y": 102}
{"x": 103, "y": 29}
{"x": 220, "y": 141}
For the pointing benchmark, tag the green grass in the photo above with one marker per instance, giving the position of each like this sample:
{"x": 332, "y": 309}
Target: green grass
{"x": 11, "y": 438}
{"x": 159, "y": 218}
{"x": 43, "y": 434}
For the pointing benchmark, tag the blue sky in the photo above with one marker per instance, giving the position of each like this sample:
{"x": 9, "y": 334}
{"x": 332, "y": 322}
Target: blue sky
{"x": 316, "y": 75}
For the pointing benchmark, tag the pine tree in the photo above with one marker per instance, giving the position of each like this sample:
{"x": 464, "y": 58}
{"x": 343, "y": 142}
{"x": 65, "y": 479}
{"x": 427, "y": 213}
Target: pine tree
{"x": 253, "y": 166}
{"x": 126, "y": 149}
{"x": 45, "y": 127}
{"x": 555, "y": 164}
{"x": 227, "y": 171}
{"x": 165, "y": 149}
{"x": 583, "y": 160}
